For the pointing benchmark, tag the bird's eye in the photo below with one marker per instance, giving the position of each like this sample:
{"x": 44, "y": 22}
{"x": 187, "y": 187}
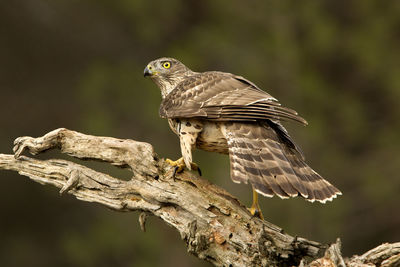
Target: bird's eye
{"x": 166, "y": 65}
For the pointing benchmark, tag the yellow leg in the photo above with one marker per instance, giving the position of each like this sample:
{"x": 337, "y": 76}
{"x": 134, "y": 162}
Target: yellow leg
{"x": 255, "y": 209}
{"x": 180, "y": 165}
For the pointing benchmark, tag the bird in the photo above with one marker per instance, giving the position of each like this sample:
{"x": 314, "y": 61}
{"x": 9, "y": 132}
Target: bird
{"x": 221, "y": 112}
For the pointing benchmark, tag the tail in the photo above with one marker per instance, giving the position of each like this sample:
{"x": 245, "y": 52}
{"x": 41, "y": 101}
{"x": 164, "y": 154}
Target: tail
{"x": 263, "y": 154}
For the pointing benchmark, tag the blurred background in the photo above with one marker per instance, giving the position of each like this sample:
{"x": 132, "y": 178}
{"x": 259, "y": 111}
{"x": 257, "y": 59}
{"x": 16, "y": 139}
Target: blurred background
{"x": 79, "y": 65}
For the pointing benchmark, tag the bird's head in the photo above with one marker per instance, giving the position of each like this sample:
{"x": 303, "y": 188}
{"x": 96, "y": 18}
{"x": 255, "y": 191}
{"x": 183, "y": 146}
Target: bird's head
{"x": 166, "y": 73}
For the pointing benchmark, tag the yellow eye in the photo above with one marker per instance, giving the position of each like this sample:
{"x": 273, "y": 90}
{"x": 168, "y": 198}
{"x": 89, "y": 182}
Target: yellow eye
{"x": 166, "y": 65}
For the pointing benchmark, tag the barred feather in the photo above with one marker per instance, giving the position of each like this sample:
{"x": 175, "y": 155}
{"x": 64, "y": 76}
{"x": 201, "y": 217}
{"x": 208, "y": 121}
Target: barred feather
{"x": 225, "y": 113}
{"x": 259, "y": 157}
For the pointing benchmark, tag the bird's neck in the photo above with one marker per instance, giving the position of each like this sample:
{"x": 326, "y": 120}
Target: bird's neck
{"x": 166, "y": 87}
{"x": 169, "y": 83}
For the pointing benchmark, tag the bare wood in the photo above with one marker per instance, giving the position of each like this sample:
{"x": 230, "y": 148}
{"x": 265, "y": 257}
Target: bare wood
{"x": 385, "y": 255}
{"x": 213, "y": 223}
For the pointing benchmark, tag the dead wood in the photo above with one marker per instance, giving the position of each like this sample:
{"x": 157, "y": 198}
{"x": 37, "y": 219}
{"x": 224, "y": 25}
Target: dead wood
{"x": 214, "y": 225}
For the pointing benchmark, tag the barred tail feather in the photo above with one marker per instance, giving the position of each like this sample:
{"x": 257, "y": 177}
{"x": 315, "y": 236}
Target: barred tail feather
{"x": 269, "y": 160}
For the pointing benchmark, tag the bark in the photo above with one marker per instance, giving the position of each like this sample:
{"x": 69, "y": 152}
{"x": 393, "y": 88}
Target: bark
{"x": 214, "y": 225}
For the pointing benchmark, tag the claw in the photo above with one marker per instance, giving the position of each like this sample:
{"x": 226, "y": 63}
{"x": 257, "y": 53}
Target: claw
{"x": 195, "y": 167}
{"x": 175, "y": 171}
{"x": 180, "y": 166}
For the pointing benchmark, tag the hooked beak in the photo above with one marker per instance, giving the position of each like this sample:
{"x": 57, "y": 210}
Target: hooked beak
{"x": 148, "y": 71}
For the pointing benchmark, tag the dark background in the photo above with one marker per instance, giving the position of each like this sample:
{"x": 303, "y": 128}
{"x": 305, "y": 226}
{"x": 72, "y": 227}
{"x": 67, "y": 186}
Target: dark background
{"x": 79, "y": 65}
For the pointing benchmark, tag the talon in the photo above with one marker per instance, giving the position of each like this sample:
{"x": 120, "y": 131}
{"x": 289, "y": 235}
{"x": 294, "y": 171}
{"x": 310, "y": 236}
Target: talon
{"x": 177, "y": 169}
{"x": 180, "y": 166}
{"x": 195, "y": 167}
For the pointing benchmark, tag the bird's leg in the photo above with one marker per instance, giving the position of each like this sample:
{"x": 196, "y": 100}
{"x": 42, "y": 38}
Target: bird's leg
{"x": 255, "y": 209}
{"x": 180, "y": 165}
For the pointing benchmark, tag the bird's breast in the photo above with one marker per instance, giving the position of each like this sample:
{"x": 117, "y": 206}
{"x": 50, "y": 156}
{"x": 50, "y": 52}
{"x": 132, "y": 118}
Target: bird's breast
{"x": 212, "y": 138}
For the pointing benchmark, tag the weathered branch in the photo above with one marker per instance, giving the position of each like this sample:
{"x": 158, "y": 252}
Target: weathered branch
{"x": 385, "y": 255}
{"x": 213, "y": 223}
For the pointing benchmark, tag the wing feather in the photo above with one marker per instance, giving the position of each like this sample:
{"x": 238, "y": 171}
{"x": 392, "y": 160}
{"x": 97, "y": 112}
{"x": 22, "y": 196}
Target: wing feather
{"x": 223, "y": 97}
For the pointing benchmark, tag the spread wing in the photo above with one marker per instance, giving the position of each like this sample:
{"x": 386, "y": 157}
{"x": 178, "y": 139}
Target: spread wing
{"x": 223, "y": 97}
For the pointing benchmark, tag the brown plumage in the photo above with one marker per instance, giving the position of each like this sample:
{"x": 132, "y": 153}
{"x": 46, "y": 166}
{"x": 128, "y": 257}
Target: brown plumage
{"x": 224, "y": 113}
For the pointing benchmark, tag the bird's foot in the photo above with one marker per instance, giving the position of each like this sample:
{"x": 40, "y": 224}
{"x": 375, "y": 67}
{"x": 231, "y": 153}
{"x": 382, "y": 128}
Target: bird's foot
{"x": 180, "y": 166}
{"x": 256, "y": 212}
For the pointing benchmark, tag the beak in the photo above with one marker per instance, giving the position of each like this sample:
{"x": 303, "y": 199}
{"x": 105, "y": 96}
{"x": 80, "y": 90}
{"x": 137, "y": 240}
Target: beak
{"x": 148, "y": 71}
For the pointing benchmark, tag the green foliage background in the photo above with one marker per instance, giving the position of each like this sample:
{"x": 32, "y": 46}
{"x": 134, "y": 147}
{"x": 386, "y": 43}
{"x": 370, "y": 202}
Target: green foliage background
{"x": 79, "y": 65}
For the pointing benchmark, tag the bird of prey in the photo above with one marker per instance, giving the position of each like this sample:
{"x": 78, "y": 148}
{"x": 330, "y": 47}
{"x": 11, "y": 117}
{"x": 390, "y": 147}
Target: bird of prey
{"x": 221, "y": 112}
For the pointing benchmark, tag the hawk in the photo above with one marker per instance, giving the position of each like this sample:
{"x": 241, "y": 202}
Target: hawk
{"x": 221, "y": 112}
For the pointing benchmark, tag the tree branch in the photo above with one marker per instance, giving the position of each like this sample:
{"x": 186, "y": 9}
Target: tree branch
{"x": 214, "y": 225}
